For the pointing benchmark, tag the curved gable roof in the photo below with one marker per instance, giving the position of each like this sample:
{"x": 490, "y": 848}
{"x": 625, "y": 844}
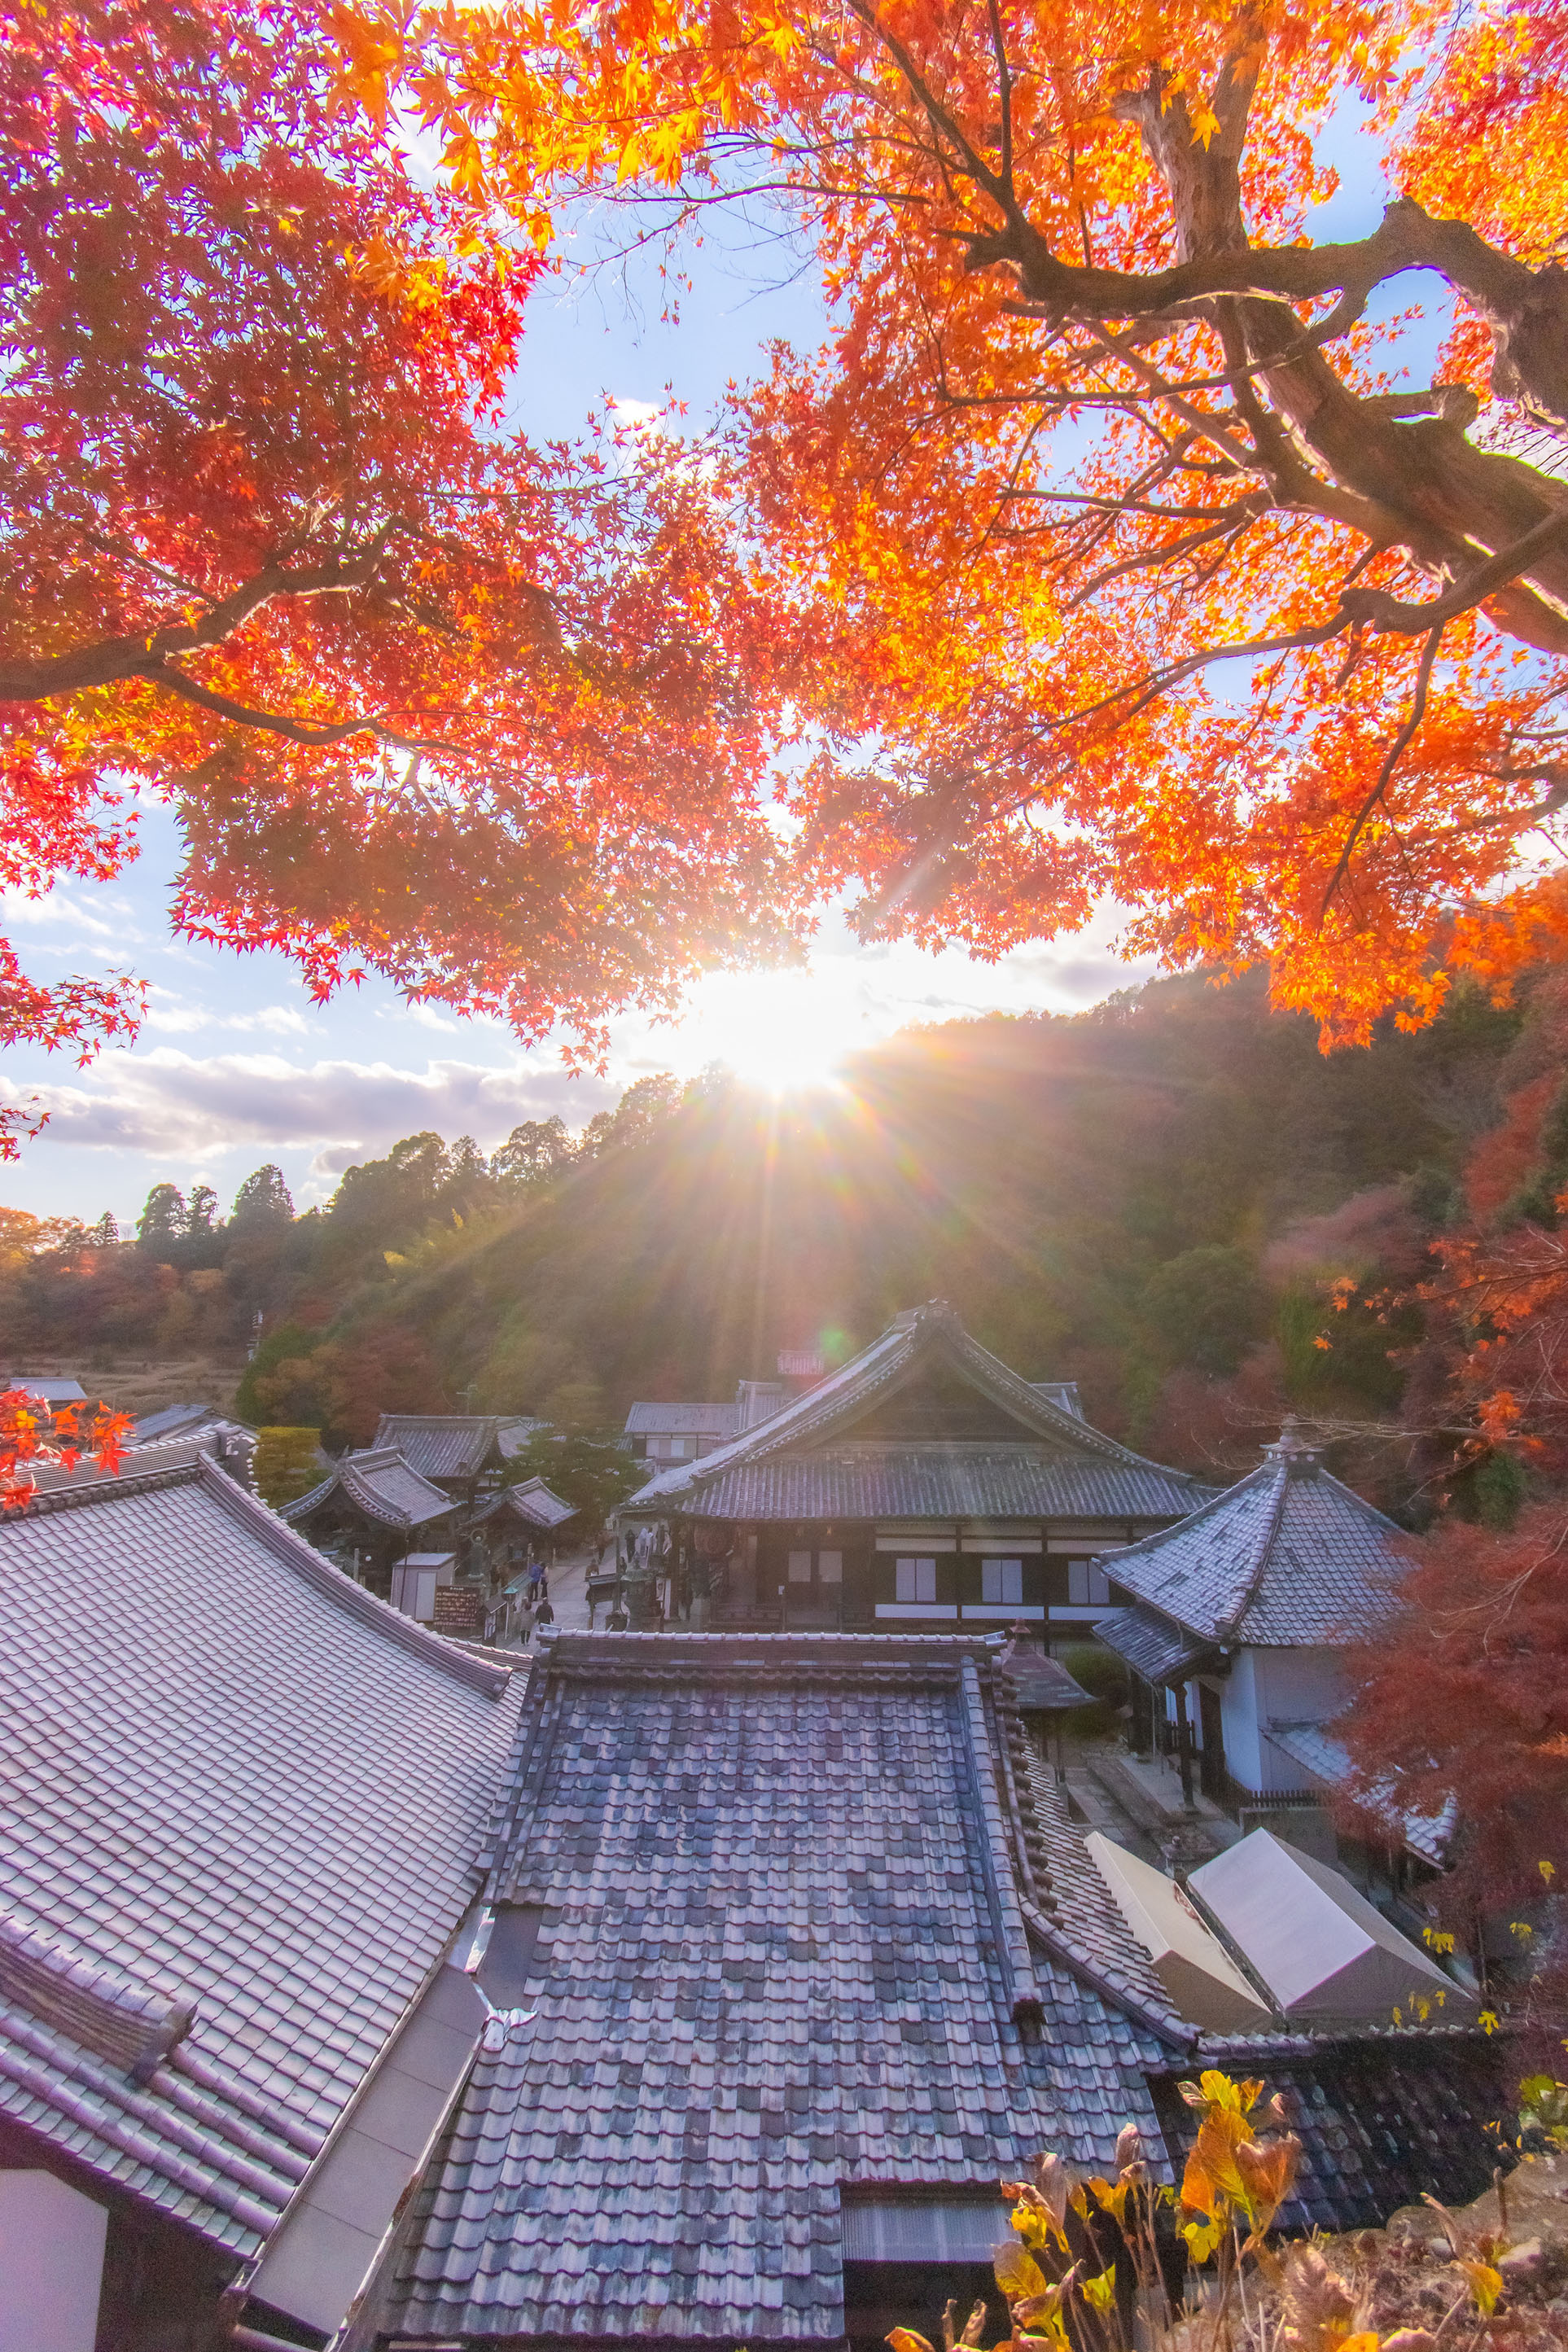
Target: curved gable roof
{"x": 382, "y": 1484}
{"x": 826, "y": 1418}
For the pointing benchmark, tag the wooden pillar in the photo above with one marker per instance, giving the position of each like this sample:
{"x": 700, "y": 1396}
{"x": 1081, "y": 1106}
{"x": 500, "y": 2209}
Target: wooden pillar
{"x": 1183, "y": 1746}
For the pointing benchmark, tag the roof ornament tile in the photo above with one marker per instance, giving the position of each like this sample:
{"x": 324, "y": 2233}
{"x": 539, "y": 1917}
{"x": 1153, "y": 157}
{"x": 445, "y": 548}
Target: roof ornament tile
{"x": 134, "y": 2026}
{"x": 1294, "y": 1447}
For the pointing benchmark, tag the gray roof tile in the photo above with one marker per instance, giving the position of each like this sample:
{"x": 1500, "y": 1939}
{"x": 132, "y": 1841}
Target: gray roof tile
{"x": 453, "y": 1445}
{"x": 1286, "y": 1558}
{"x": 207, "y": 1802}
{"x": 533, "y": 1503}
{"x": 930, "y": 1482}
{"x": 683, "y": 1420}
{"x": 758, "y": 1978}
{"x": 382, "y": 1484}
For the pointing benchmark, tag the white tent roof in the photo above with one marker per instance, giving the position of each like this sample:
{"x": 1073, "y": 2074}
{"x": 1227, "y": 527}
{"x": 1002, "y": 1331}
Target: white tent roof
{"x": 1325, "y": 1953}
{"x": 1203, "y": 1981}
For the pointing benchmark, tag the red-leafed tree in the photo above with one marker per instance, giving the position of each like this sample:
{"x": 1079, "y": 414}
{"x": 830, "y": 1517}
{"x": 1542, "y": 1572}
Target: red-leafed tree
{"x": 431, "y": 701}
{"x": 1466, "y": 1695}
{"x": 1144, "y": 569}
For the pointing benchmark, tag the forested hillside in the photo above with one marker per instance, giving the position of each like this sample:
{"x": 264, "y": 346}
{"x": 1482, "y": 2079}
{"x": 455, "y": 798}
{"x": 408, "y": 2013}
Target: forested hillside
{"x": 1175, "y": 1200}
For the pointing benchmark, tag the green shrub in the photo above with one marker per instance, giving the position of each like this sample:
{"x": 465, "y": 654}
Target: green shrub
{"x": 1100, "y": 1670}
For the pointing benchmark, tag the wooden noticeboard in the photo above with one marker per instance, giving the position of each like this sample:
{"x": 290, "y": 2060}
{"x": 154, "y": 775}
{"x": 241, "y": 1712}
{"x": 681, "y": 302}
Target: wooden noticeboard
{"x": 460, "y": 1608}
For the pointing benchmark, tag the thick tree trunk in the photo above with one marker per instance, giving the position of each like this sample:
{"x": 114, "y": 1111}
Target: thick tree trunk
{"x": 1422, "y": 483}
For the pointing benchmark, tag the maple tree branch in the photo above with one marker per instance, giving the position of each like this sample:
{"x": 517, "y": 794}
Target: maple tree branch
{"x": 114, "y": 659}
{"x": 292, "y": 731}
{"x": 1524, "y": 307}
{"x": 1385, "y": 614}
{"x": 1413, "y": 718}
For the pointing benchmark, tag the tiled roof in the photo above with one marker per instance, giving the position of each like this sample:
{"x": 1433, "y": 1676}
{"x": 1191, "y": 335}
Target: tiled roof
{"x": 929, "y": 1482}
{"x": 379, "y": 1483}
{"x": 175, "y": 1421}
{"x": 1151, "y": 1645}
{"x": 790, "y": 1889}
{"x": 535, "y": 1503}
{"x": 512, "y": 1435}
{"x": 1384, "y": 2121}
{"x": 1286, "y": 1557}
{"x": 240, "y": 1815}
{"x": 802, "y": 1462}
{"x": 229, "y": 1443}
{"x": 44, "y": 1384}
{"x": 1079, "y": 1908}
{"x": 1041, "y": 1684}
{"x": 1060, "y": 1393}
{"x": 683, "y": 1421}
{"x": 1313, "y": 1747}
{"x": 444, "y": 1444}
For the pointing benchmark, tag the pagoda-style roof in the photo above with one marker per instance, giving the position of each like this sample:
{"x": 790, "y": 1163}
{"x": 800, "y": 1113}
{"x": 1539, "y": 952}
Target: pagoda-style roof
{"x": 533, "y": 1503}
{"x": 924, "y": 1423}
{"x": 454, "y": 1445}
{"x": 382, "y": 1486}
{"x": 1286, "y": 1559}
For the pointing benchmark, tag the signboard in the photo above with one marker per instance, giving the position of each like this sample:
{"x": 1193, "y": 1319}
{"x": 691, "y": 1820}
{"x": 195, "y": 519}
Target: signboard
{"x": 460, "y": 1608}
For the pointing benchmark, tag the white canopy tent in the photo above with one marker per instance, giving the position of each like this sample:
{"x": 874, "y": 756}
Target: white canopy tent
{"x": 1203, "y": 1981}
{"x": 1325, "y": 1953}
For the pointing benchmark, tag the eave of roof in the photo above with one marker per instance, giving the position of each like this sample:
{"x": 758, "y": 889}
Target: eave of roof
{"x": 924, "y": 1481}
{"x": 443, "y": 1445}
{"x": 382, "y": 1484}
{"x": 531, "y": 1501}
{"x": 1154, "y": 1647}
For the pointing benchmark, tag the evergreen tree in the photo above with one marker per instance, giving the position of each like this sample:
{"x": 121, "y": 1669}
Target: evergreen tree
{"x": 163, "y": 1220}
{"x": 201, "y": 1212}
{"x": 263, "y": 1199}
{"x": 105, "y": 1234}
{"x": 534, "y": 1151}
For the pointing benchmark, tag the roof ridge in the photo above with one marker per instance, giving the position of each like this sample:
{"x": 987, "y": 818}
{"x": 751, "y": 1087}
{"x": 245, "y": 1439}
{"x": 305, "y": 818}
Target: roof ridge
{"x": 103, "y": 1490}
{"x": 918, "y": 1331}
{"x": 353, "y": 1598}
{"x": 1225, "y": 1626}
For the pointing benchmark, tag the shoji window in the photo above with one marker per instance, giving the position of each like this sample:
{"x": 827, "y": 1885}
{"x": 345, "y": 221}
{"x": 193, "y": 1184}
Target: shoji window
{"x": 1002, "y": 1580}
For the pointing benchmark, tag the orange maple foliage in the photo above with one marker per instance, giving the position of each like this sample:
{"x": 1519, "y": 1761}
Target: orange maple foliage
{"x": 431, "y": 701}
{"x": 1122, "y": 560}
{"x": 30, "y": 1432}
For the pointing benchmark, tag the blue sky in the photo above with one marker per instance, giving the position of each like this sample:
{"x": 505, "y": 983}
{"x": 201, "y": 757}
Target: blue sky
{"x": 236, "y": 1065}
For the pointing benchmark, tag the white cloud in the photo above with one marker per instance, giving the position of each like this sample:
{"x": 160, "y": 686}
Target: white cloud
{"x": 173, "y": 1104}
{"x": 66, "y": 908}
{"x": 176, "y": 1016}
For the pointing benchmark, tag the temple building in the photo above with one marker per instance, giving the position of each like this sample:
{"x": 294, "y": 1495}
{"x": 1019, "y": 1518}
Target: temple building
{"x": 359, "y": 1996}
{"x": 372, "y": 1512}
{"x": 465, "y": 1453}
{"x": 1235, "y": 1624}
{"x": 797, "y": 1954}
{"x": 924, "y": 1485}
{"x": 244, "y": 1817}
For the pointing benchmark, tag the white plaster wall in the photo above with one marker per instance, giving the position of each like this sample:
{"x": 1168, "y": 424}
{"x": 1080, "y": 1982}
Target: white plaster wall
{"x": 51, "y": 2265}
{"x": 1239, "y": 1716}
{"x": 1277, "y": 1687}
